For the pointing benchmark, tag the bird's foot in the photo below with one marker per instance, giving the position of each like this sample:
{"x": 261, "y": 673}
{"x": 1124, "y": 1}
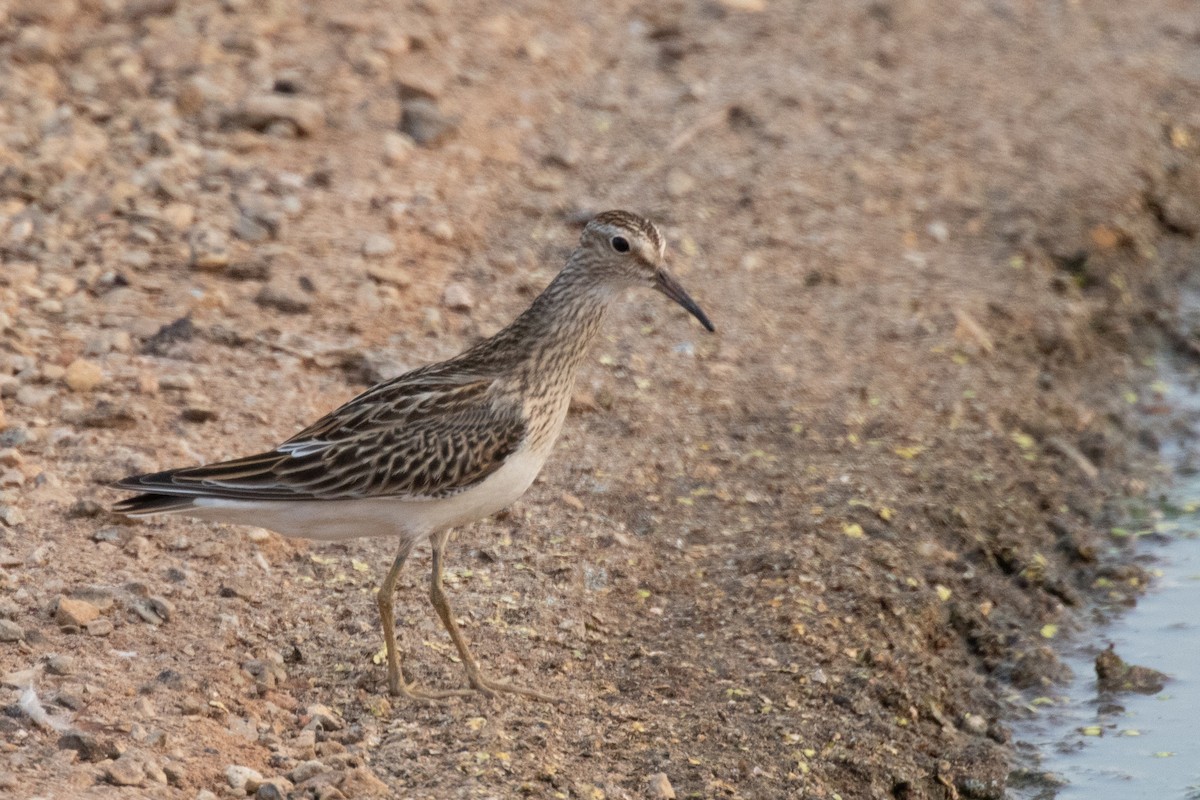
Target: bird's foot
{"x": 398, "y": 688}
{"x": 491, "y": 688}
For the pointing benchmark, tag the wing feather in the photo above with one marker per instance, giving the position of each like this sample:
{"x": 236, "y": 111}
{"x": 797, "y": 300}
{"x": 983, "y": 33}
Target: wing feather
{"x": 423, "y": 435}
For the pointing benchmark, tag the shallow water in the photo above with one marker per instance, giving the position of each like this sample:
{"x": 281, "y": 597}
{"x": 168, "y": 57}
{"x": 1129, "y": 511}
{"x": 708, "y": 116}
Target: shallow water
{"x": 1078, "y": 745}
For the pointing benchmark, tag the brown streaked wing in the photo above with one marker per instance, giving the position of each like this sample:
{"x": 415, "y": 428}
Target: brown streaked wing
{"x": 412, "y": 439}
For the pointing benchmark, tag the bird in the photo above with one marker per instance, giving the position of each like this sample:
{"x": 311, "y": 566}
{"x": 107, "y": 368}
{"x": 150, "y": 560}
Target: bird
{"x": 436, "y": 448}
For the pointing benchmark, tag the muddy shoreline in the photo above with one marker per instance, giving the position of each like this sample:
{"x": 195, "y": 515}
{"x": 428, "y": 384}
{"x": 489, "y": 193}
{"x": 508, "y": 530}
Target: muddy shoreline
{"x": 818, "y": 554}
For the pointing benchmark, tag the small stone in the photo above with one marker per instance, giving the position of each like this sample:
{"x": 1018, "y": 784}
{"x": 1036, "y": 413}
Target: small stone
{"x": 179, "y": 216}
{"x": 442, "y": 230}
{"x": 75, "y": 612}
{"x": 10, "y": 516}
{"x": 397, "y": 148}
{"x": 125, "y": 771}
{"x": 60, "y": 664}
{"x": 679, "y": 183}
{"x": 546, "y": 180}
{"x": 457, "y": 297}
{"x": 197, "y": 412}
{"x": 392, "y": 276}
{"x": 377, "y": 245}
{"x": 424, "y": 122}
{"x": 89, "y": 746}
{"x": 938, "y": 231}
{"x": 209, "y": 249}
{"x": 238, "y": 776}
{"x": 36, "y": 44}
{"x": 658, "y": 787}
{"x": 100, "y": 627}
{"x": 261, "y": 112}
{"x": 34, "y": 396}
{"x": 362, "y": 782}
{"x": 250, "y": 229}
{"x": 282, "y": 299}
{"x": 10, "y": 631}
{"x": 182, "y": 382}
{"x": 83, "y": 375}
{"x": 305, "y": 770}
{"x": 975, "y": 724}
{"x": 273, "y": 789}
{"x": 322, "y": 717}
{"x": 432, "y": 322}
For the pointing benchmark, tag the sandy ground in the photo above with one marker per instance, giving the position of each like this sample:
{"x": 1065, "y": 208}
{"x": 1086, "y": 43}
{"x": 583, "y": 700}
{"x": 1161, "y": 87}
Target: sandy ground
{"x": 822, "y": 553}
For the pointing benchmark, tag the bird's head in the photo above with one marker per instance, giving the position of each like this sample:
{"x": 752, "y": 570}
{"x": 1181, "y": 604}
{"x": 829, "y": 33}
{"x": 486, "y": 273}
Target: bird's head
{"x": 624, "y": 249}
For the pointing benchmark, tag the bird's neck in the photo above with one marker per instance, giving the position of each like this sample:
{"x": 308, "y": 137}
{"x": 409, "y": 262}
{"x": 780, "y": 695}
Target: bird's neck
{"x": 551, "y": 338}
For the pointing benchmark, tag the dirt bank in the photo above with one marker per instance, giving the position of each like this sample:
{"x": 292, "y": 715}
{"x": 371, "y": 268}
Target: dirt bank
{"x": 814, "y": 555}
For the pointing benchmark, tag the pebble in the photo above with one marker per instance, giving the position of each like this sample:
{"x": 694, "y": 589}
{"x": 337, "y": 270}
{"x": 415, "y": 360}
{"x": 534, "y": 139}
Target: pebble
{"x": 10, "y": 516}
{"x": 939, "y": 231}
{"x": 282, "y": 299}
{"x": 238, "y": 776}
{"x": 322, "y": 717}
{"x": 658, "y": 787}
{"x": 208, "y": 249}
{"x": 83, "y": 375}
{"x": 362, "y": 782}
{"x": 75, "y": 612}
{"x": 392, "y": 276}
{"x": 34, "y": 396}
{"x": 397, "y": 148}
{"x": 378, "y": 245}
{"x": 457, "y": 297}
{"x": 89, "y": 746}
{"x": 305, "y": 770}
{"x": 273, "y": 789}
{"x": 10, "y": 631}
{"x": 424, "y": 122}
{"x": 442, "y": 230}
{"x": 60, "y": 664}
{"x": 125, "y": 771}
{"x": 261, "y": 112}
{"x": 182, "y": 381}
{"x": 100, "y": 627}
{"x": 975, "y": 723}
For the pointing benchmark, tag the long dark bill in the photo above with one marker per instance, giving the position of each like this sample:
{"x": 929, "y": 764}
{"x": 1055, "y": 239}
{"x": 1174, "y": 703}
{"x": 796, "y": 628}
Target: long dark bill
{"x": 671, "y": 288}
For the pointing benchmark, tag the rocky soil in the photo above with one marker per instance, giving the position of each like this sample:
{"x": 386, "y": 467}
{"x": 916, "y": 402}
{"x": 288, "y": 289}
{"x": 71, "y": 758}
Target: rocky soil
{"x": 819, "y": 554}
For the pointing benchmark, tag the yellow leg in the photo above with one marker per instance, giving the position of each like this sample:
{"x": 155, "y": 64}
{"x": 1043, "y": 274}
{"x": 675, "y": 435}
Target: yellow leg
{"x": 396, "y": 684}
{"x": 441, "y": 604}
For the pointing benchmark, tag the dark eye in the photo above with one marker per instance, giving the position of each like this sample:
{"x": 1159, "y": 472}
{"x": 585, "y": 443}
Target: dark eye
{"x": 620, "y": 244}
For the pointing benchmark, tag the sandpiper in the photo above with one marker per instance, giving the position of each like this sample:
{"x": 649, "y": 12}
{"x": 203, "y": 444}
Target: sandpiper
{"x": 437, "y": 447}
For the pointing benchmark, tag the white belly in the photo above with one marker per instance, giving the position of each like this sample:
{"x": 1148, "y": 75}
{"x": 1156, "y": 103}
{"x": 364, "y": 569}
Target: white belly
{"x": 333, "y": 520}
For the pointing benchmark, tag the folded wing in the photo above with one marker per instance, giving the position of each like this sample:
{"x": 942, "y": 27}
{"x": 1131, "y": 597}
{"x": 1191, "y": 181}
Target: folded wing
{"x": 418, "y": 437}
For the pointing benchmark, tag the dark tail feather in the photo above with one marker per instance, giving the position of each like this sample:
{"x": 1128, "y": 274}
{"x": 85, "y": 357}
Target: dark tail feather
{"x": 145, "y": 505}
